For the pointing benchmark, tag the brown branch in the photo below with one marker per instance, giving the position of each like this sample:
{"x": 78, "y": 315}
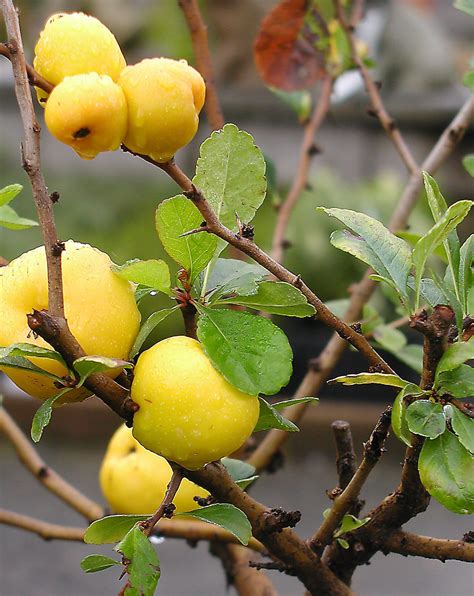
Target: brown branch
{"x": 32, "y": 161}
{"x": 34, "y": 78}
{"x": 307, "y": 150}
{"x": 283, "y": 543}
{"x": 166, "y": 507}
{"x": 361, "y": 293}
{"x": 373, "y": 450}
{"x": 377, "y": 105}
{"x": 408, "y": 544}
{"x": 346, "y": 460}
{"x": 198, "y": 30}
{"x": 44, "y": 529}
{"x": 43, "y": 473}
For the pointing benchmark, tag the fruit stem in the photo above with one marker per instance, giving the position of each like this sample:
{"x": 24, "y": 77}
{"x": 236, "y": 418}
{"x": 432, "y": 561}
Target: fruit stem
{"x": 166, "y": 508}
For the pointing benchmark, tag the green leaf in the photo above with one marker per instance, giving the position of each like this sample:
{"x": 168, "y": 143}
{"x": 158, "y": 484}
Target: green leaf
{"x": 465, "y": 6}
{"x": 413, "y": 238}
{"x": 391, "y": 254}
{"x": 371, "y": 378}
{"x": 152, "y": 274}
{"x": 466, "y": 275}
{"x": 468, "y": 160}
{"x": 455, "y": 355}
{"x": 26, "y": 350}
{"x": 429, "y": 290}
{"x": 358, "y": 247}
{"x": 148, "y": 326}
{"x": 8, "y": 193}
{"x": 349, "y": 524}
{"x": 438, "y": 233}
{"x": 175, "y": 217}
{"x": 11, "y": 220}
{"x": 458, "y": 382}
{"x": 225, "y": 516}
{"x": 231, "y": 174}
{"x": 463, "y": 426}
{"x": 399, "y": 421}
{"x": 251, "y": 352}
{"x": 144, "y": 567}
{"x": 42, "y": 416}
{"x": 270, "y": 416}
{"x": 447, "y": 472}
{"x": 22, "y": 363}
{"x": 468, "y": 80}
{"x": 232, "y": 276}
{"x": 112, "y": 528}
{"x": 299, "y": 101}
{"x": 276, "y": 297}
{"x": 390, "y": 339}
{"x": 338, "y": 307}
{"x": 241, "y": 472}
{"x": 343, "y": 543}
{"x": 426, "y": 418}
{"x": 93, "y": 563}
{"x": 89, "y": 365}
{"x": 412, "y": 356}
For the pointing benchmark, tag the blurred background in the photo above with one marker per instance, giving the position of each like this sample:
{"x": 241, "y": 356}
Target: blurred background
{"x": 421, "y": 49}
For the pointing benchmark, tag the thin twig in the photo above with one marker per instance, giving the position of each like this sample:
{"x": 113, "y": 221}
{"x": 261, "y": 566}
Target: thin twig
{"x": 32, "y": 161}
{"x": 35, "y": 78}
{"x": 307, "y": 150}
{"x": 378, "y": 107}
{"x": 373, "y": 450}
{"x": 198, "y": 30}
{"x": 346, "y": 460}
{"x": 408, "y": 544}
{"x": 43, "y": 473}
{"x": 44, "y": 529}
{"x": 166, "y": 507}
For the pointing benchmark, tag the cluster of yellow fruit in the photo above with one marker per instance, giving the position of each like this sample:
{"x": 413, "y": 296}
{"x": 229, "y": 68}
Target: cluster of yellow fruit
{"x": 98, "y": 102}
{"x": 188, "y": 412}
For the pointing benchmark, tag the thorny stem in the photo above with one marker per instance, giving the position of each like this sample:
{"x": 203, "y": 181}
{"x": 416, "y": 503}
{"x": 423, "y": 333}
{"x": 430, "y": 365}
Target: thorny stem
{"x": 32, "y": 161}
{"x": 307, "y": 150}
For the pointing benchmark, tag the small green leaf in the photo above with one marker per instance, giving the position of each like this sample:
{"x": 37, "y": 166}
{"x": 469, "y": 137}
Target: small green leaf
{"x": 447, "y": 472}
{"x": 225, "y": 516}
{"x": 232, "y": 276}
{"x": 385, "y": 248}
{"x": 251, "y": 352}
{"x": 93, "y": 563}
{"x": 463, "y": 426}
{"x": 399, "y": 422}
{"x": 349, "y": 524}
{"x": 112, "y": 528}
{"x": 468, "y": 160}
{"x": 458, "y": 382}
{"x": 413, "y": 238}
{"x": 11, "y": 220}
{"x": 371, "y": 378}
{"x": 466, "y": 275}
{"x": 230, "y": 172}
{"x": 465, "y": 6}
{"x": 89, "y": 365}
{"x": 22, "y": 363}
{"x": 153, "y": 274}
{"x": 276, "y": 297}
{"x": 429, "y": 290}
{"x": 412, "y": 356}
{"x": 426, "y": 418}
{"x": 42, "y": 416}
{"x": 153, "y": 320}
{"x": 144, "y": 568}
{"x": 270, "y": 416}
{"x": 175, "y": 217}
{"x": 240, "y": 471}
{"x": 8, "y": 193}
{"x": 299, "y": 101}
{"x": 455, "y": 355}
{"x": 343, "y": 543}
{"x": 438, "y": 233}
{"x": 31, "y": 351}
{"x": 390, "y": 339}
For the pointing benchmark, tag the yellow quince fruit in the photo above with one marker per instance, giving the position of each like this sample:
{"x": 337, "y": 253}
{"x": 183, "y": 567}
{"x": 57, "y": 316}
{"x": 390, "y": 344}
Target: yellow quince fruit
{"x": 100, "y": 309}
{"x": 164, "y": 98}
{"x": 188, "y": 412}
{"x": 88, "y": 112}
{"x": 75, "y": 43}
{"x": 134, "y": 480}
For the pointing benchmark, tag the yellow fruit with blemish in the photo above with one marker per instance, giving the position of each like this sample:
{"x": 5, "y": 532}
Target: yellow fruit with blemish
{"x": 134, "y": 480}
{"x": 76, "y": 43}
{"x": 88, "y": 112}
{"x": 100, "y": 309}
{"x": 164, "y": 98}
{"x": 188, "y": 412}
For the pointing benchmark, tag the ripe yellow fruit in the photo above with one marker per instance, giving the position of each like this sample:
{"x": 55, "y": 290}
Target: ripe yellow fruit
{"x": 100, "y": 309}
{"x": 76, "y": 43}
{"x": 88, "y": 112}
{"x": 134, "y": 480}
{"x": 164, "y": 98}
{"x": 188, "y": 412}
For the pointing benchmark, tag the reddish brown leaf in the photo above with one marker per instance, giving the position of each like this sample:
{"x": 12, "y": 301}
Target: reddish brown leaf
{"x": 284, "y": 57}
